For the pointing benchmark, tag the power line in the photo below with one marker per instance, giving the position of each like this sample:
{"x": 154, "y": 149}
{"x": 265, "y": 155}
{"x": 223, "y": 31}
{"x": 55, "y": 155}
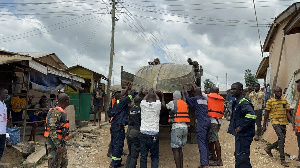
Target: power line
{"x": 62, "y": 27}
{"x": 231, "y": 21}
{"x": 152, "y": 35}
{"x": 92, "y": 35}
{"x": 261, "y": 47}
{"x": 232, "y": 24}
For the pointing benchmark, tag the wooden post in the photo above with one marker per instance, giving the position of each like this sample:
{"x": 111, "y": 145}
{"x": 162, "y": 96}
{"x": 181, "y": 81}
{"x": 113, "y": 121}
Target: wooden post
{"x": 111, "y": 59}
{"x": 26, "y": 104}
{"x": 278, "y": 66}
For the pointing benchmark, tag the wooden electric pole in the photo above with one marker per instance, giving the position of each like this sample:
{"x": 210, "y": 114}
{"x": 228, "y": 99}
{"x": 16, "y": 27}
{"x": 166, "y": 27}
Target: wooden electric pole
{"x": 112, "y": 53}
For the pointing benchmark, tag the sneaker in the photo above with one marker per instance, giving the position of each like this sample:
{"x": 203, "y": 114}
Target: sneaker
{"x": 284, "y": 164}
{"x": 268, "y": 151}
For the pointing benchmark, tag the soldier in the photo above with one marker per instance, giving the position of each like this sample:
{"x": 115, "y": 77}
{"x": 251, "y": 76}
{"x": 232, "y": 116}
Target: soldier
{"x": 197, "y": 70}
{"x": 57, "y": 131}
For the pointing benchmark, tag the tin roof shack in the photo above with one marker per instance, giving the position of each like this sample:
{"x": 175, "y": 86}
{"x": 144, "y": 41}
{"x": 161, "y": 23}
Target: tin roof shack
{"x": 49, "y": 58}
{"x": 91, "y": 78}
{"x": 281, "y": 68}
{"x": 24, "y": 72}
{"x": 83, "y": 99}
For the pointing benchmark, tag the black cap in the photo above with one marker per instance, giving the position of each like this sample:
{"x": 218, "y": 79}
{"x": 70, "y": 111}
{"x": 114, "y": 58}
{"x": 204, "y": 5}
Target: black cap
{"x": 297, "y": 81}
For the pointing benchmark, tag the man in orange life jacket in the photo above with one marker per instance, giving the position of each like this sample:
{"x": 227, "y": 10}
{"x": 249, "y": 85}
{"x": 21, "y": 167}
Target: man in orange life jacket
{"x": 215, "y": 113}
{"x": 178, "y": 118}
{"x": 297, "y": 120}
{"x": 56, "y": 132}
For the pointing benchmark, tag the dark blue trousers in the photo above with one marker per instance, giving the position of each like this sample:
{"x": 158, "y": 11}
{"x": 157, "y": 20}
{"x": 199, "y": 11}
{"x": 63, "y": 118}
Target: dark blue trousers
{"x": 152, "y": 144}
{"x": 242, "y": 152}
{"x": 202, "y": 138}
{"x": 117, "y": 144}
{"x": 133, "y": 142}
{"x": 2, "y": 144}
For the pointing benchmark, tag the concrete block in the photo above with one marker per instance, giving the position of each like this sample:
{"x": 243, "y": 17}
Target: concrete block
{"x": 35, "y": 157}
{"x": 83, "y": 123}
{"x": 71, "y": 115}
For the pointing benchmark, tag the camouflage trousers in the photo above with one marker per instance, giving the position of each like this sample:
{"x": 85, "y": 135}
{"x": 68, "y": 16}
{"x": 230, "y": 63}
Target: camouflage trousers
{"x": 56, "y": 160}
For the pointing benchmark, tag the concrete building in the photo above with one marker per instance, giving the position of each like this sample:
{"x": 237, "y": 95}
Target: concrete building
{"x": 282, "y": 43}
{"x": 282, "y": 66}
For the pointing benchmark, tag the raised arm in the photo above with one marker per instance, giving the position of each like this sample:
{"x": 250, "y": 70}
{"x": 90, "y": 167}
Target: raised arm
{"x": 157, "y": 97}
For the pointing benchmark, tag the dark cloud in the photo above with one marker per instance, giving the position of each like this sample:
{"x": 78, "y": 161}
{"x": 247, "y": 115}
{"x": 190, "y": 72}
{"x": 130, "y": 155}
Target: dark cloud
{"x": 216, "y": 33}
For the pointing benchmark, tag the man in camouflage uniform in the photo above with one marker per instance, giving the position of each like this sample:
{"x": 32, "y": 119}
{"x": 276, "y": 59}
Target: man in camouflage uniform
{"x": 197, "y": 69}
{"x": 57, "y": 131}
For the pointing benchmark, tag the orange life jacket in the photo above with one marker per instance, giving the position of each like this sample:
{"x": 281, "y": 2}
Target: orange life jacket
{"x": 215, "y": 105}
{"x": 63, "y": 124}
{"x": 297, "y": 117}
{"x": 113, "y": 102}
{"x": 181, "y": 114}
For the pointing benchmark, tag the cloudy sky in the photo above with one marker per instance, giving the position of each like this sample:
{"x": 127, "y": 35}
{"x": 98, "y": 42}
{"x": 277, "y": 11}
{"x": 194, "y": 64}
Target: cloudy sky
{"x": 220, "y": 34}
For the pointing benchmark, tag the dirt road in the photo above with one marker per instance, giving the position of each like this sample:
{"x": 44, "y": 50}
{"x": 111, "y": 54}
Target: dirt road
{"x": 89, "y": 148}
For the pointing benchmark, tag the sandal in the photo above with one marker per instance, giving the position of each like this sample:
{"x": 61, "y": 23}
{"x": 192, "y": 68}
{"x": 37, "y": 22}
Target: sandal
{"x": 215, "y": 164}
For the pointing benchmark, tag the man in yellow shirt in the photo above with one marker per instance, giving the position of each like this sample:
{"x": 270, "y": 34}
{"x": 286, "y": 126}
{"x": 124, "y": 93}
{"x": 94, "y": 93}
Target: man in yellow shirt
{"x": 277, "y": 107}
{"x": 17, "y": 105}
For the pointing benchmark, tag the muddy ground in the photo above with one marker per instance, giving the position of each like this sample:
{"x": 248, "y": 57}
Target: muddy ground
{"x": 88, "y": 149}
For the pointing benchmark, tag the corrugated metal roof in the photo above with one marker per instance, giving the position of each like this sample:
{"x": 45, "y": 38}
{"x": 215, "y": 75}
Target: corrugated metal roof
{"x": 40, "y": 55}
{"x": 35, "y": 54}
{"x": 281, "y": 17}
{"x": 262, "y": 68}
{"x": 4, "y": 59}
{"x": 102, "y": 76}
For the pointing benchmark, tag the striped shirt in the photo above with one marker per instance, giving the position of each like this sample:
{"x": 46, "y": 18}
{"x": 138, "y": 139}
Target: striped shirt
{"x": 277, "y": 108}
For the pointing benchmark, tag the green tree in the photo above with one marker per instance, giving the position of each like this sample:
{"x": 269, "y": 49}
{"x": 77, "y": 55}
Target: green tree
{"x": 208, "y": 84}
{"x": 250, "y": 78}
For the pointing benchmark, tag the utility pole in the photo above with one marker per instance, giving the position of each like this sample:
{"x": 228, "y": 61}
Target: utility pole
{"x": 112, "y": 53}
{"x": 226, "y": 81}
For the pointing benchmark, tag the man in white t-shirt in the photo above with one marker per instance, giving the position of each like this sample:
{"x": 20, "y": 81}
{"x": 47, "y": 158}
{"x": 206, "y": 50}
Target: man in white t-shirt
{"x": 149, "y": 140}
{"x": 3, "y": 119}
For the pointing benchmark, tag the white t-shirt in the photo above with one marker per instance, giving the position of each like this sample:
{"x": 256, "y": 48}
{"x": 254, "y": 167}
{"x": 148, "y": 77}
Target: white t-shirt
{"x": 3, "y": 118}
{"x": 150, "y": 116}
{"x": 175, "y": 125}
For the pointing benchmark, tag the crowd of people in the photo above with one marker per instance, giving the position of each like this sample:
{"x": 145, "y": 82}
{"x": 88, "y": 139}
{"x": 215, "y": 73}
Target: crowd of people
{"x": 143, "y": 124}
{"x": 56, "y": 125}
{"x": 143, "y": 115}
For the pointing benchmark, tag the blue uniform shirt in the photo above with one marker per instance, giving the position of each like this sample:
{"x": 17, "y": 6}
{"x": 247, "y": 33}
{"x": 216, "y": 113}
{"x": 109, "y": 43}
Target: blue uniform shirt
{"x": 120, "y": 110}
{"x": 200, "y": 107}
{"x": 243, "y": 116}
{"x": 134, "y": 117}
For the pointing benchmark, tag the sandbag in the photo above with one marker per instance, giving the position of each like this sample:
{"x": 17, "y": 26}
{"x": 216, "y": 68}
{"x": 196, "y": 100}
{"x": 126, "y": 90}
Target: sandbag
{"x": 14, "y": 134}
